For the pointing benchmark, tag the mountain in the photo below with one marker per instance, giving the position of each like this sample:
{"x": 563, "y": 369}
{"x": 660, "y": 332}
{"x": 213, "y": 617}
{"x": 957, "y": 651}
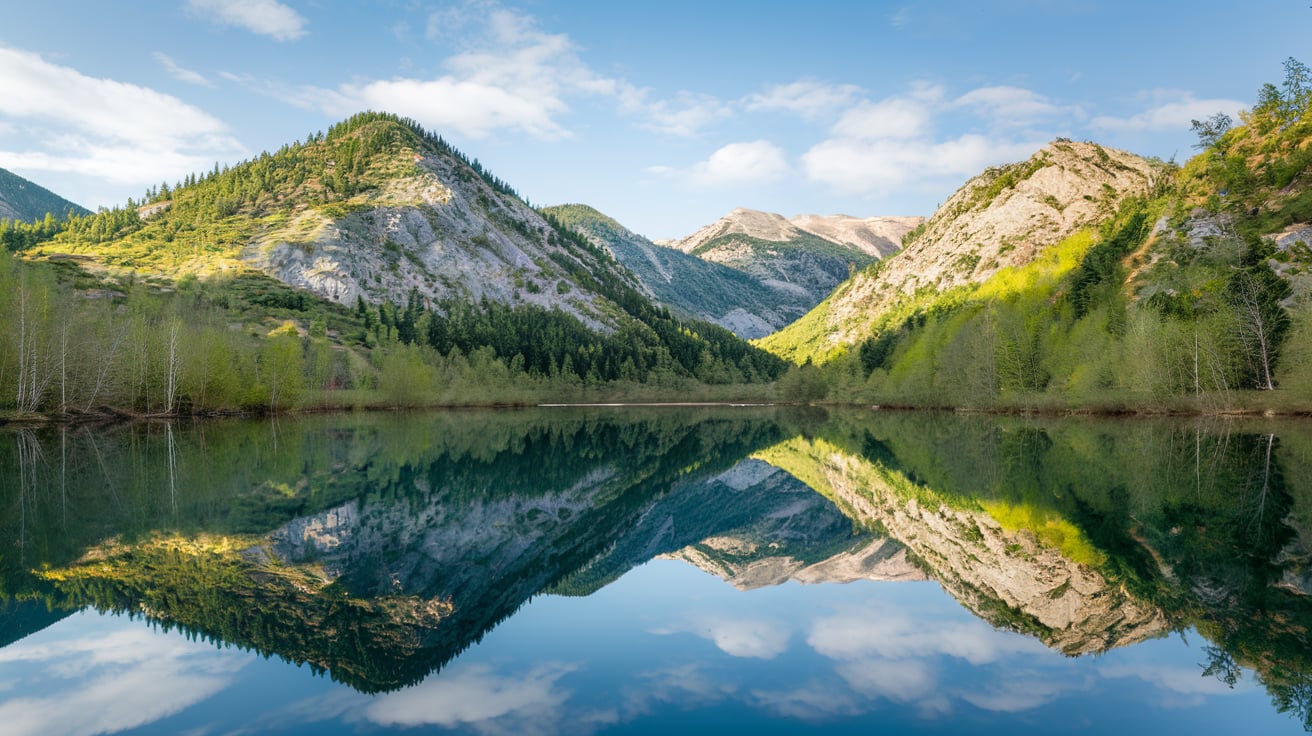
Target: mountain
{"x": 373, "y": 209}
{"x": 388, "y": 239}
{"x": 1003, "y": 218}
{"x": 23, "y": 200}
{"x": 687, "y": 284}
{"x": 1052, "y": 588}
{"x": 1089, "y": 278}
{"x": 879, "y": 237}
{"x": 786, "y": 255}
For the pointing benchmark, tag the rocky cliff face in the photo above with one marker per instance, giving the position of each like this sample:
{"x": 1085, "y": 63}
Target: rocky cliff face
{"x": 1004, "y": 217}
{"x": 441, "y": 230}
{"x": 1007, "y": 577}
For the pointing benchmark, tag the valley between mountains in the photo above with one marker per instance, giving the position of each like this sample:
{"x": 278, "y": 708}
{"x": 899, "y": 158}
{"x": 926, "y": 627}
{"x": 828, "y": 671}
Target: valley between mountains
{"x": 376, "y": 265}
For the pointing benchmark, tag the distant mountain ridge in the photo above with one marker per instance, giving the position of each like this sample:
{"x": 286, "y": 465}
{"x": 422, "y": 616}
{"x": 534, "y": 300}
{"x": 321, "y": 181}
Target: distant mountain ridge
{"x": 687, "y": 284}
{"x": 807, "y": 256}
{"x": 24, "y": 200}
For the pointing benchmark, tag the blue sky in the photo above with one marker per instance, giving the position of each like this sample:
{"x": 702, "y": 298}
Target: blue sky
{"x": 663, "y": 115}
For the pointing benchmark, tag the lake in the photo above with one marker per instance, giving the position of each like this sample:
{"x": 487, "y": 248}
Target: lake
{"x": 656, "y": 570}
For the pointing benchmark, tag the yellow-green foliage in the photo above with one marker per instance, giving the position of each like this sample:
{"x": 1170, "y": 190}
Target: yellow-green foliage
{"x": 1040, "y": 275}
{"x": 836, "y": 473}
{"x": 1050, "y": 529}
{"x": 201, "y": 226}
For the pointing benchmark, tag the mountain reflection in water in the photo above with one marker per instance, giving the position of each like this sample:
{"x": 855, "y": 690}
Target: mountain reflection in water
{"x": 378, "y": 548}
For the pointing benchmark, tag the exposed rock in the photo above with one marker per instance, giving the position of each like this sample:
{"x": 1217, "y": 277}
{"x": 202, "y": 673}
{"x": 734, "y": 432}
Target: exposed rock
{"x": 443, "y": 232}
{"x": 873, "y": 559}
{"x": 879, "y": 237}
{"x": 746, "y": 305}
{"x": 808, "y": 255}
{"x": 1007, "y": 577}
{"x": 1004, "y": 217}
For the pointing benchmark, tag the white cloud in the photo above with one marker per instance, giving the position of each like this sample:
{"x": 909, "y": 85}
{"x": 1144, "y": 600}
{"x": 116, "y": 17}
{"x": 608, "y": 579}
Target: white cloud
{"x": 448, "y": 103}
{"x": 856, "y": 166}
{"x": 877, "y": 147}
{"x": 266, "y": 17}
{"x": 108, "y": 683}
{"x": 808, "y": 98}
{"x": 516, "y": 77}
{"x": 742, "y": 163}
{"x": 1170, "y": 110}
{"x": 893, "y": 635}
{"x": 735, "y": 164}
{"x": 902, "y": 681}
{"x": 179, "y": 73}
{"x": 474, "y": 694}
{"x": 739, "y": 637}
{"x": 896, "y": 118}
{"x": 104, "y": 128}
{"x": 1012, "y": 105}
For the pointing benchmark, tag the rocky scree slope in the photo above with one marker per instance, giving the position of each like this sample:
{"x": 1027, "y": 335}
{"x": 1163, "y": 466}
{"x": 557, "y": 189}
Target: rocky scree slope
{"x": 1004, "y": 217}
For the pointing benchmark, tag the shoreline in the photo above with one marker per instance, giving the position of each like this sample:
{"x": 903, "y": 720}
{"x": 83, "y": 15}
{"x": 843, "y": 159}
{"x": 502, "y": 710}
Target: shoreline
{"x": 107, "y": 415}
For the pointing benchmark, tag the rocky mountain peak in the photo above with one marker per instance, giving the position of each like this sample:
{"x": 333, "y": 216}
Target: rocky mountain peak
{"x": 876, "y": 236}
{"x": 1004, "y": 217}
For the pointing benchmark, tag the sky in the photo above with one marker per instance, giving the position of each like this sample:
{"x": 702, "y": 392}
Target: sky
{"x": 665, "y": 116}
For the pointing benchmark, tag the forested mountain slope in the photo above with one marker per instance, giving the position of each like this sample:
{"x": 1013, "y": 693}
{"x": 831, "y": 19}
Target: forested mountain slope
{"x": 25, "y": 201}
{"x": 373, "y": 209}
{"x": 373, "y": 257}
{"x": 1176, "y": 288}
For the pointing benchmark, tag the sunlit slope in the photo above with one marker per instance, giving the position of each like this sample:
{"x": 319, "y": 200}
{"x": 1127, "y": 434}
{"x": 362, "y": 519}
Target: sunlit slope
{"x": 1019, "y": 567}
{"x": 375, "y": 208}
{"x": 1004, "y": 218}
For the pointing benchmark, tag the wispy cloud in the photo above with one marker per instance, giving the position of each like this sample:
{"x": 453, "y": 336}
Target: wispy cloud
{"x": 1167, "y": 110}
{"x": 514, "y": 77}
{"x": 1015, "y": 105}
{"x": 109, "y": 683}
{"x": 476, "y": 695}
{"x": 878, "y": 147}
{"x": 684, "y": 115}
{"x": 739, "y": 637}
{"x": 895, "y": 635}
{"x": 808, "y": 98}
{"x": 179, "y": 73}
{"x": 735, "y": 164}
{"x": 265, "y": 17}
{"x": 113, "y": 130}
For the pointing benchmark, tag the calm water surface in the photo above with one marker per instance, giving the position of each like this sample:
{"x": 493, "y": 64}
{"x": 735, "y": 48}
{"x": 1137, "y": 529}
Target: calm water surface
{"x": 656, "y": 571}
